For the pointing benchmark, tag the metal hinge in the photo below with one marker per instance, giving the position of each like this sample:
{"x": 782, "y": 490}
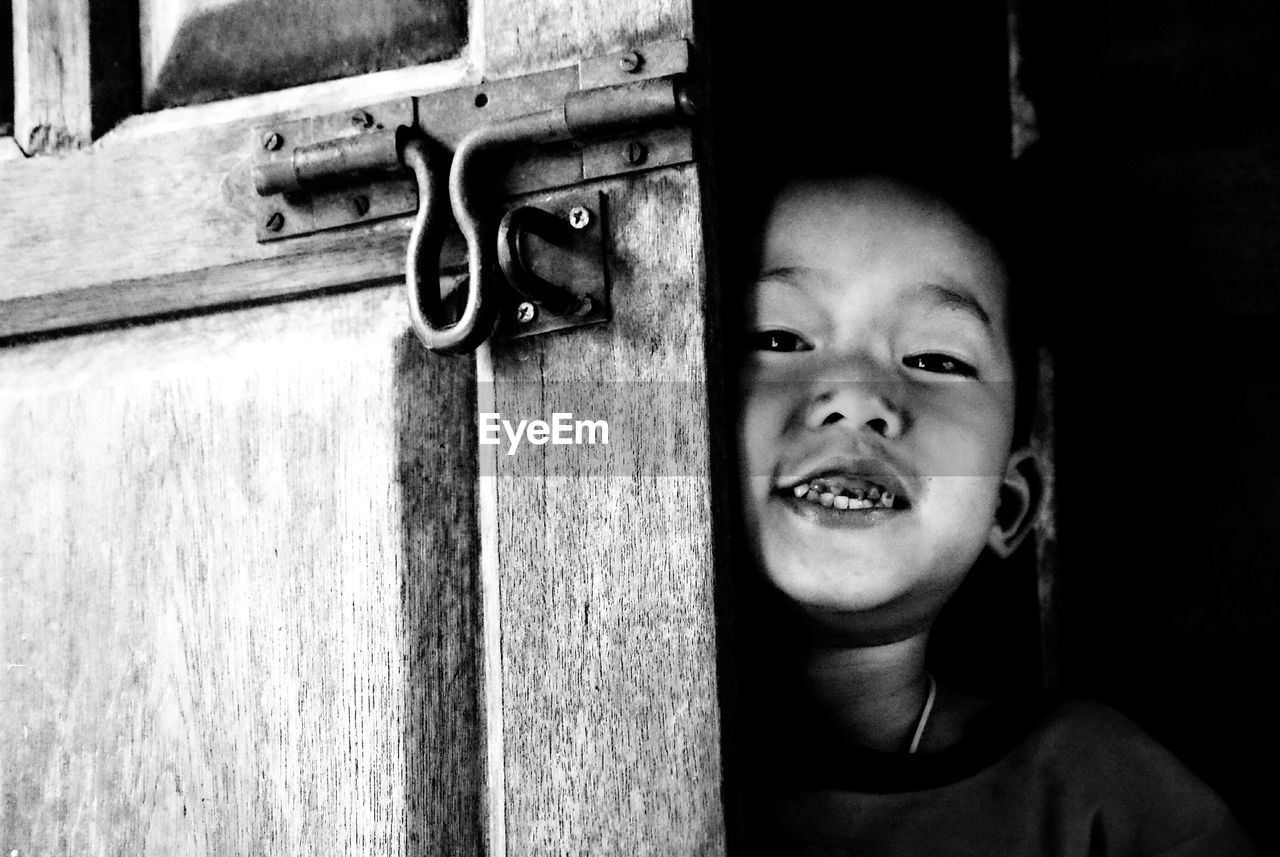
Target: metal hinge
{"x": 615, "y": 114}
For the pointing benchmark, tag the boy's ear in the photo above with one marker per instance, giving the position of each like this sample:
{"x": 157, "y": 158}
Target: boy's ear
{"x": 1020, "y": 497}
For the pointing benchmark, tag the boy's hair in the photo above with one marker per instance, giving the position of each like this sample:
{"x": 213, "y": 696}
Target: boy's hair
{"x": 986, "y": 201}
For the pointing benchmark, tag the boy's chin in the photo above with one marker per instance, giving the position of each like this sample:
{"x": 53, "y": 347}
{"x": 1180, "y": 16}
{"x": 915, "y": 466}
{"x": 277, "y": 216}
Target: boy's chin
{"x": 880, "y": 626}
{"x": 863, "y": 613}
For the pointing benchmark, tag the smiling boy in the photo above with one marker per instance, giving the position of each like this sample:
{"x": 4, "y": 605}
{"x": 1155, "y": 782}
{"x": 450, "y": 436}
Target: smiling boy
{"x": 879, "y": 459}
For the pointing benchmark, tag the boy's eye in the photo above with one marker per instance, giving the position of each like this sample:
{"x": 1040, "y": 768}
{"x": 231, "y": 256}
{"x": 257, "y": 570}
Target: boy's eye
{"x": 943, "y": 364}
{"x": 777, "y": 340}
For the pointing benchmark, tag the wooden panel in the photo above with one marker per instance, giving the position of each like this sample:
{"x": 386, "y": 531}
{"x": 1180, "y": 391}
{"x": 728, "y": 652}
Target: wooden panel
{"x": 51, "y": 74}
{"x": 174, "y": 191}
{"x": 610, "y": 716}
{"x": 203, "y": 50}
{"x": 6, "y": 69}
{"x": 530, "y": 35}
{"x": 609, "y": 725}
{"x": 238, "y": 610}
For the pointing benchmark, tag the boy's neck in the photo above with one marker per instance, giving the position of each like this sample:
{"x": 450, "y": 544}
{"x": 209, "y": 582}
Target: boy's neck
{"x": 869, "y": 697}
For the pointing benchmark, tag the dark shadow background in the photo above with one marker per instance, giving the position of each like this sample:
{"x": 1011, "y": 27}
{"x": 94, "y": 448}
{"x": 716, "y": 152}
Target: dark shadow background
{"x": 1159, "y": 140}
{"x": 1152, "y": 200}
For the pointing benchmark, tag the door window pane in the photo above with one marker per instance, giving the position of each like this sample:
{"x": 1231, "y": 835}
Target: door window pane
{"x": 195, "y": 51}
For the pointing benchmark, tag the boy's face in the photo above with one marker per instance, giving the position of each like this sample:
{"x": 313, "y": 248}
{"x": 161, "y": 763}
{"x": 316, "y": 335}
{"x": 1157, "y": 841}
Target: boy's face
{"x": 878, "y": 362}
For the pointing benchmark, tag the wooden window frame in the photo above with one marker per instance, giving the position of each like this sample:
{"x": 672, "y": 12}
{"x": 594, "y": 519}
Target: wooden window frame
{"x": 170, "y": 188}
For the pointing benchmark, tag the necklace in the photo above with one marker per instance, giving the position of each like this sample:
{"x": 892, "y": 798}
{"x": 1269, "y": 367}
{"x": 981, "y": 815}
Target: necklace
{"x": 924, "y": 713}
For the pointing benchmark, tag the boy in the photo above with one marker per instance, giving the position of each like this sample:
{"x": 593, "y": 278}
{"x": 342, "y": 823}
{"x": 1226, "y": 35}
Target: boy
{"x": 877, "y": 443}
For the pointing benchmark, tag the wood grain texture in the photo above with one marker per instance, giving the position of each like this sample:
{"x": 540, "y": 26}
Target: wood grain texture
{"x": 238, "y": 607}
{"x": 52, "y": 92}
{"x": 176, "y": 196}
{"x": 606, "y": 562}
{"x": 6, "y": 73}
{"x": 201, "y": 50}
{"x": 610, "y": 711}
{"x": 523, "y": 36}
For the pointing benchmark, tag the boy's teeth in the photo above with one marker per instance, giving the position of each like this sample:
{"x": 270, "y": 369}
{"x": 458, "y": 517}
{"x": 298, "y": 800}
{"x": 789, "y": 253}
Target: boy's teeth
{"x": 850, "y": 498}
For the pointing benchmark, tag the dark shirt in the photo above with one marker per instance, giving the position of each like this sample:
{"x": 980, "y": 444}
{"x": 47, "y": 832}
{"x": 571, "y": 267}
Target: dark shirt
{"x": 1084, "y": 781}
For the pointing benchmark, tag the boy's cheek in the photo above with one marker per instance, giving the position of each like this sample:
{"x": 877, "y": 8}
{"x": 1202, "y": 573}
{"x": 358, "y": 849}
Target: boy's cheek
{"x": 960, "y": 458}
{"x": 759, "y": 427}
{"x": 755, "y": 493}
{"x": 974, "y": 446}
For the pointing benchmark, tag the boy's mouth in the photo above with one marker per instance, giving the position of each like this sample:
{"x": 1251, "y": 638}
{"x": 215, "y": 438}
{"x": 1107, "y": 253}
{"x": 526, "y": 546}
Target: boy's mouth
{"x": 838, "y": 491}
{"x": 846, "y": 485}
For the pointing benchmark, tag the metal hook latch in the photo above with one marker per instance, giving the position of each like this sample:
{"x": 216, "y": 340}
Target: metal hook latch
{"x": 607, "y": 116}
{"x": 583, "y": 115}
{"x": 422, "y": 263}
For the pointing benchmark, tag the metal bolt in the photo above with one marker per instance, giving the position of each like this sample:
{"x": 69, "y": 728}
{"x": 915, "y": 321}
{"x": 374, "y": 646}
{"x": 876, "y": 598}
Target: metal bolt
{"x": 526, "y": 312}
{"x": 362, "y": 119}
{"x": 275, "y": 222}
{"x": 271, "y": 141}
{"x": 361, "y": 204}
{"x": 585, "y": 307}
{"x": 635, "y": 153}
{"x": 579, "y": 217}
{"x": 688, "y": 99}
{"x": 630, "y": 62}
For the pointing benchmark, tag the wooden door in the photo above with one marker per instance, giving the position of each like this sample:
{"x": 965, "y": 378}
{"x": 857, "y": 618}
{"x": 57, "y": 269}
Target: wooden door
{"x": 261, "y": 590}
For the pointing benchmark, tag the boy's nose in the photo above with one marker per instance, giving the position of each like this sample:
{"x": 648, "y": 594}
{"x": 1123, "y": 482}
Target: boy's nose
{"x": 857, "y": 405}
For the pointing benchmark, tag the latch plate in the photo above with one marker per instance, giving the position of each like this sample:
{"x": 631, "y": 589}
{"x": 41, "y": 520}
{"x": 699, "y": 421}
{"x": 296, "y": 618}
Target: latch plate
{"x": 301, "y": 212}
{"x": 579, "y": 267}
{"x": 446, "y": 117}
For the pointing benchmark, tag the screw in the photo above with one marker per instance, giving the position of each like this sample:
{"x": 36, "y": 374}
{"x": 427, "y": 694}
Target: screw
{"x": 361, "y": 204}
{"x": 271, "y": 141}
{"x": 361, "y": 119}
{"x": 630, "y": 62}
{"x": 635, "y": 153}
{"x": 525, "y": 312}
{"x": 275, "y": 222}
{"x": 579, "y": 217}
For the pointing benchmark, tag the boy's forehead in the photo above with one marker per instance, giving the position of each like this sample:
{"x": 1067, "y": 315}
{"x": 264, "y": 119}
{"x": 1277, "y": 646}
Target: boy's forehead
{"x": 883, "y": 224}
{"x": 857, "y": 190}
{"x": 865, "y": 208}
